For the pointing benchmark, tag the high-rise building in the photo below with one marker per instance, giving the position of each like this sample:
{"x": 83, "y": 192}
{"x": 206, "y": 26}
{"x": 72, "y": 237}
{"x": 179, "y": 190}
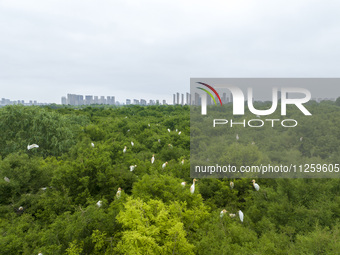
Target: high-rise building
{"x": 136, "y": 101}
{"x": 128, "y": 101}
{"x": 142, "y": 102}
{"x": 63, "y": 100}
{"x": 188, "y": 99}
{"x": 177, "y": 96}
{"x": 164, "y": 102}
{"x": 182, "y": 101}
{"x": 174, "y": 99}
{"x": 88, "y": 99}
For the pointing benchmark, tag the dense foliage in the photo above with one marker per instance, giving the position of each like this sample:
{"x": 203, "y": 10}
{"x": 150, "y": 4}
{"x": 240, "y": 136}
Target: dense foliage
{"x": 59, "y": 184}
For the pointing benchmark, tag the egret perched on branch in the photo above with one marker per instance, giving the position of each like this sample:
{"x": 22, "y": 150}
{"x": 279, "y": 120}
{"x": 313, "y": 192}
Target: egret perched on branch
{"x": 169, "y": 130}
{"x": 183, "y": 184}
{"x": 256, "y": 186}
{"x": 301, "y": 139}
{"x": 170, "y": 146}
{"x": 237, "y": 137}
{"x": 164, "y": 165}
{"x": 153, "y": 158}
{"x": 224, "y": 211}
{"x": 231, "y": 185}
{"x": 240, "y": 214}
{"x": 132, "y": 167}
{"x": 132, "y": 143}
{"x": 32, "y": 146}
{"x": 179, "y": 132}
{"x": 44, "y": 188}
{"x": 253, "y": 143}
{"x": 40, "y": 253}
{"x": 176, "y": 130}
{"x": 124, "y": 150}
{"x": 182, "y": 161}
{"x": 149, "y": 124}
{"x": 7, "y": 179}
{"x": 159, "y": 140}
{"x": 99, "y": 203}
{"x": 232, "y": 215}
{"x": 92, "y": 144}
{"x": 119, "y": 193}
{"x": 192, "y": 188}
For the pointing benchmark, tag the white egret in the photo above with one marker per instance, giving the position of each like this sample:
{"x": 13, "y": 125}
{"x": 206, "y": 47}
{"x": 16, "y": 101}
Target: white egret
{"x": 40, "y": 253}
{"x": 170, "y": 146}
{"x": 176, "y": 130}
{"x": 92, "y": 144}
{"x": 99, "y": 203}
{"x": 301, "y": 139}
{"x": 183, "y": 184}
{"x": 164, "y": 165}
{"x": 32, "y": 146}
{"x": 128, "y": 130}
{"x": 232, "y": 215}
{"x": 253, "y": 143}
{"x": 149, "y": 124}
{"x": 132, "y": 167}
{"x": 44, "y": 188}
{"x": 237, "y": 137}
{"x": 119, "y": 193}
{"x": 179, "y": 132}
{"x": 182, "y": 161}
{"x": 192, "y": 188}
{"x": 169, "y": 130}
{"x": 153, "y": 159}
{"x": 224, "y": 211}
{"x": 240, "y": 214}
{"x": 132, "y": 143}
{"x": 7, "y": 179}
{"x": 159, "y": 140}
{"x": 256, "y": 186}
{"x": 231, "y": 185}
{"x": 124, "y": 150}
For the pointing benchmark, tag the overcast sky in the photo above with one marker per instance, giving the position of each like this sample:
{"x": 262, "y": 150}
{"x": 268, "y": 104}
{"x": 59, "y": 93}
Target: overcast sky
{"x": 150, "y": 49}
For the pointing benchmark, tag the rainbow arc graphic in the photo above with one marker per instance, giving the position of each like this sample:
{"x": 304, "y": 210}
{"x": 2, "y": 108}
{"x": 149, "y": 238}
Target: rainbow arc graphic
{"x": 209, "y": 93}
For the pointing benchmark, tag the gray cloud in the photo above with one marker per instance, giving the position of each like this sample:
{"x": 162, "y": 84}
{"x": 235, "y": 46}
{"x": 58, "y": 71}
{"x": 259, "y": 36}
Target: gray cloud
{"x": 150, "y": 49}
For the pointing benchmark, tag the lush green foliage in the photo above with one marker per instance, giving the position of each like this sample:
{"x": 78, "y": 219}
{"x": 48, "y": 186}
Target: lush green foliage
{"x": 59, "y": 184}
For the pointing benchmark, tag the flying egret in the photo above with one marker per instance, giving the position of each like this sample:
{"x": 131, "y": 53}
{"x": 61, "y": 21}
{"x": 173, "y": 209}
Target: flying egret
{"x": 124, "y": 150}
{"x": 224, "y": 211}
{"x": 183, "y": 184}
{"x": 164, "y": 165}
{"x": 92, "y": 144}
{"x": 240, "y": 214}
{"x": 32, "y": 146}
{"x": 153, "y": 158}
{"x": 192, "y": 188}
{"x": 179, "y": 132}
{"x": 256, "y": 186}
{"x": 119, "y": 193}
{"x": 237, "y": 137}
{"x": 132, "y": 143}
{"x": 7, "y": 179}
{"x": 231, "y": 185}
{"x": 132, "y": 168}
{"x": 169, "y": 130}
{"x": 99, "y": 203}
{"x": 182, "y": 161}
